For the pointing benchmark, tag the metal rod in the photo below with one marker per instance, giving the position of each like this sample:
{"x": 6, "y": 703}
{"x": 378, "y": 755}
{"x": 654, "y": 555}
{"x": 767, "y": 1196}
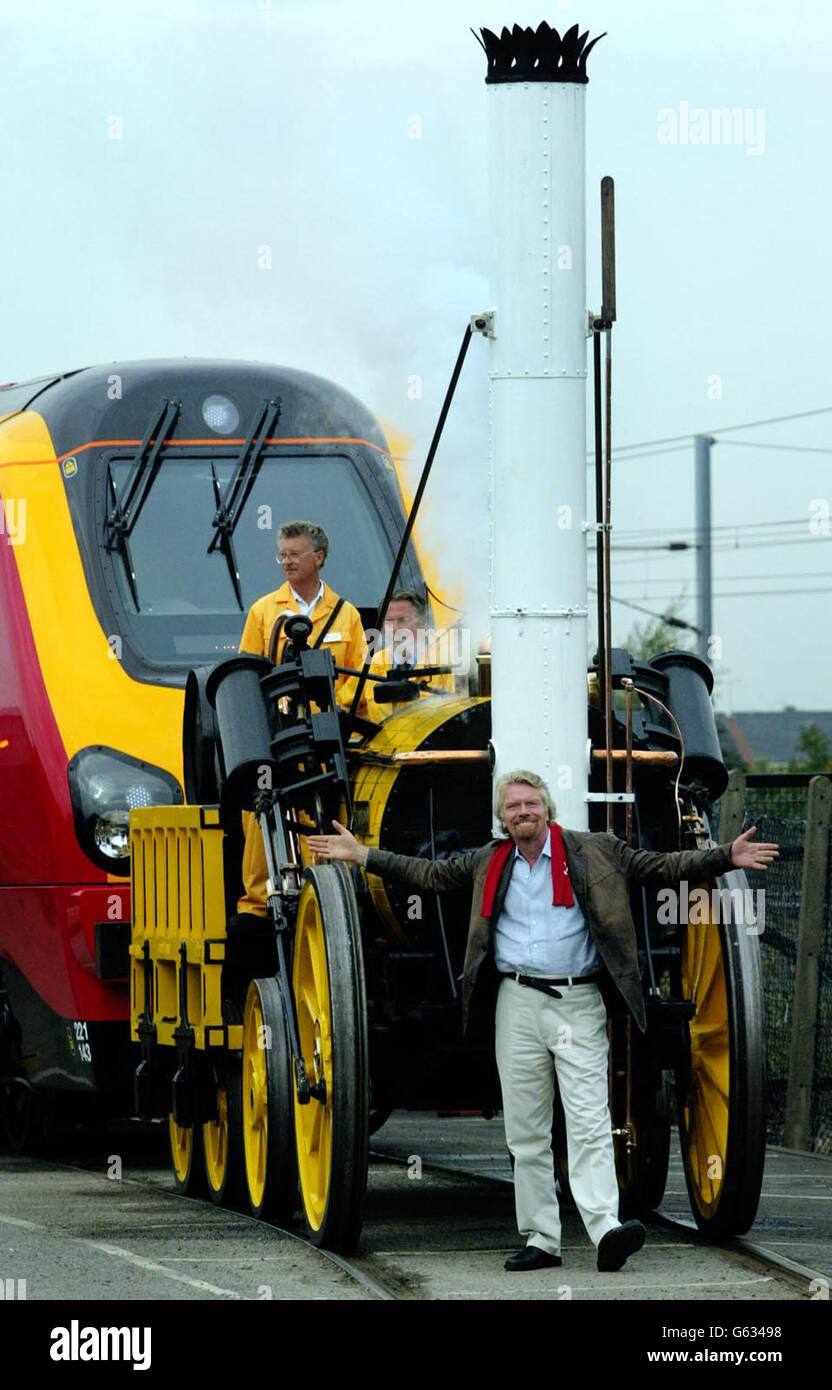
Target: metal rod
{"x": 608, "y": 248}
{"x": 628, "y": 1117}
{"x": 654, "y": 990}
{"x": 271, "y": 827}
{"x": 411, "y": 520}
{"x": 704, "y": 616}
{"x": 439, "y": 912}
{"x": 628, "y": 781}
{"x": 599, "y": 514}
{"x": 608, "y": 318}
{"x": 607, "y": 579}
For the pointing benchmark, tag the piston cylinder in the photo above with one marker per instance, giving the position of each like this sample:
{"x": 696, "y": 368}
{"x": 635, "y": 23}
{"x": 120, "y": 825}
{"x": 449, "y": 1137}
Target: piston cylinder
{"x": 689, "y": 685}
{"x": 245, "y": 734}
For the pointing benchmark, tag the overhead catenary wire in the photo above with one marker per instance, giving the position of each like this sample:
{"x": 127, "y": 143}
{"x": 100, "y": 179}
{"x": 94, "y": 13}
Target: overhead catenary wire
{"x": 726, "y": 526}
{"x": 783, "y": 448}
{"x": 736, "y": 578}
{"x": 739, "y": 593}
{"x": 722, "y": 526}
{"x": 669, "y": 618}
{"x": 771, "y": 534}
{"x": 724, "y": 547}
{"x": 722, "y": 429}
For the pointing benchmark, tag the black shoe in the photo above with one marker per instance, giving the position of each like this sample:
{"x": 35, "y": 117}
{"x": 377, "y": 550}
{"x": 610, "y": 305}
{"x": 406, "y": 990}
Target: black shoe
{"x": 615, "y": 1248}
{"x": 532, "y": 1257}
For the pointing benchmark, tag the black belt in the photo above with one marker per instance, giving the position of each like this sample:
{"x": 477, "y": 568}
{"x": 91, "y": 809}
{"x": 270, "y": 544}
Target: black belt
{"x": 547, "y": 986}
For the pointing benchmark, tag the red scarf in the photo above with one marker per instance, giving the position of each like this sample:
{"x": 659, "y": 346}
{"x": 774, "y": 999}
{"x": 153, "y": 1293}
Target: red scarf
{"x": 561, "y": 887}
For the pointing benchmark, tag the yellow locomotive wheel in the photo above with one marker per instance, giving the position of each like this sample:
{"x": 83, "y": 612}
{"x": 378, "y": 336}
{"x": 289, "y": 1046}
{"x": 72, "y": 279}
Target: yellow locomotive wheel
{"x": 186, "y": 1158}
{"x": 222, "y": 1140}
{"x": 332, "y": 1129}
{"x": 268, "y": 1118}
{"x": 722, "y": 1091}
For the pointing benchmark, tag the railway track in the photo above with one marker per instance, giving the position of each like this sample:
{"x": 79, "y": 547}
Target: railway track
{"x": 442, "y": 1237}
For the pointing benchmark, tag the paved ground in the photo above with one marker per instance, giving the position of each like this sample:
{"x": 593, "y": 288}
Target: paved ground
{"x": 75, "y": 1233}
{"x": 795, "y": 1218}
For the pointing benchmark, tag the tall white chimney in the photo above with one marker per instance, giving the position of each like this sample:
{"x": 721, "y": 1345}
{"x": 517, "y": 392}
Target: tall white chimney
{"x": 535, "y": 85}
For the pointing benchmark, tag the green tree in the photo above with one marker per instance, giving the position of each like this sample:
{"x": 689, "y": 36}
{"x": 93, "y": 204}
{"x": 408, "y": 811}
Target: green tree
{"x": 659, "y": 635}
{"x": 816, "y": 754}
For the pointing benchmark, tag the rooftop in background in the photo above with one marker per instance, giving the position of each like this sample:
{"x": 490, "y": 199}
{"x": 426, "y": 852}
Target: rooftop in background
{"x": 770, "y": 735}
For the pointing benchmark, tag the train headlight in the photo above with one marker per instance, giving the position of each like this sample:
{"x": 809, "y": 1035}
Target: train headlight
{"x": 112, "y": 834}
{"x": 105, "y": 786}
{"x": 220, "y": 414}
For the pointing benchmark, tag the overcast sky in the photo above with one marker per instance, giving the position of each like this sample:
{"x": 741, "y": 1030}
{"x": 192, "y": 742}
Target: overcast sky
{"x": 152, "y": 149}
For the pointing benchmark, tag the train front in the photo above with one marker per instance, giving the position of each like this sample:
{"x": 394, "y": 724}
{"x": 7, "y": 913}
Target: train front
{"x": 140, "y": 504}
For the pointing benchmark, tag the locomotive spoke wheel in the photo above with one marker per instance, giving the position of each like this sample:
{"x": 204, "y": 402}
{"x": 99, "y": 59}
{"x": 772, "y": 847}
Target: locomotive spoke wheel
{"x": 222, "y": 1140}
{"x": 186, "y": 1158}
{"x": 268, "y": 1118}
{"x": 332, "y": 1130}
{"x": 722, "y": 1101}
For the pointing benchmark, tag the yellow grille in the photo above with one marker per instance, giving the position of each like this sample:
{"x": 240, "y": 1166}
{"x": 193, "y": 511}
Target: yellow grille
{"x": 178, "y": 902}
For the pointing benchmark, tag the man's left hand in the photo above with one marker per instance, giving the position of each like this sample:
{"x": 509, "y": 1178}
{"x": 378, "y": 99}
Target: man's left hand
{"x": 744, "y": 855}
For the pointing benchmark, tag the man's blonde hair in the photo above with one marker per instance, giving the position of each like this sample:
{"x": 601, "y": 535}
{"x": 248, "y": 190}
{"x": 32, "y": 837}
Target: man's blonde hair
{"x": 528, "y": 779}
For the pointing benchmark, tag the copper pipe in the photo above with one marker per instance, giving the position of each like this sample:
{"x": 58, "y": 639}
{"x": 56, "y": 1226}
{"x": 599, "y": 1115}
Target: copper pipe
{"x": 426, "y": 758}
{"x": 639, "y": 755}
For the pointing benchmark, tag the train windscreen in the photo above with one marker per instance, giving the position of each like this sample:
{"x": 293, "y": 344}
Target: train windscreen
{"x": 179, "y": 600}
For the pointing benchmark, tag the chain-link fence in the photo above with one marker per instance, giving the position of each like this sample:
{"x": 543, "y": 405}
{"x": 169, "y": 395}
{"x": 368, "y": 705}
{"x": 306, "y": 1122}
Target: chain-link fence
{"x": 777, "y": 805}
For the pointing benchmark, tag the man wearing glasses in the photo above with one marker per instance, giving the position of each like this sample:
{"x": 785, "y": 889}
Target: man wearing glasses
{"x": 336, "y": 626}
{"x": 301, "y": 551}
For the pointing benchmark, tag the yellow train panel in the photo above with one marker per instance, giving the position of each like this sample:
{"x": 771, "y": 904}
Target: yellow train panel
{"x": 178, "y": 938}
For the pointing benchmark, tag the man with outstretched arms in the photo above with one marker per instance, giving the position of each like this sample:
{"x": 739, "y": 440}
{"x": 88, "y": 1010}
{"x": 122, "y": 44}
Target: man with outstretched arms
{"x": 551, "y": 907}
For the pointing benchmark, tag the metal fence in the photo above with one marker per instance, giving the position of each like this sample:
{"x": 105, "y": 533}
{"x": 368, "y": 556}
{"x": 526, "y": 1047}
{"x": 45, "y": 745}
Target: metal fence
{"x": 796, "y": 947}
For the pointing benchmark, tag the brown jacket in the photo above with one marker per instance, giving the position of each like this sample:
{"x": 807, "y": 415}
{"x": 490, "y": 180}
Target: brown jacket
{"x": 601, "y": 869}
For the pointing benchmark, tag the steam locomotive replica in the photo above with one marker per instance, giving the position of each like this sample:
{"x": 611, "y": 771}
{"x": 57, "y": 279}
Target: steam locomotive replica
{"x": 140, "y": 504}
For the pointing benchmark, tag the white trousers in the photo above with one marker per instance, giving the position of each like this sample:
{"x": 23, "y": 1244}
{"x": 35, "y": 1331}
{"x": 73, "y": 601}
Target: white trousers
{"x": 537, "y": 1036}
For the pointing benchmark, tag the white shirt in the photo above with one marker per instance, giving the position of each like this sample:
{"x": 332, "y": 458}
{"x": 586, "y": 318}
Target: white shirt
{"x": 532, "y": 936}
{"x": 305, "y": 608}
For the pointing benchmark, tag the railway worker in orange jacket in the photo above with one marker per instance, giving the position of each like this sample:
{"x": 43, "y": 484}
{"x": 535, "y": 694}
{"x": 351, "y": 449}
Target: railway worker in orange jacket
{"x": 551, "y": 907}
{"x": 302, "y": 548}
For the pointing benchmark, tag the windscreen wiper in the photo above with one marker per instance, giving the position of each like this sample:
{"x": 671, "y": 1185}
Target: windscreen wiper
{"x": 230, "y": 504}
{"x": 127, "y": 505}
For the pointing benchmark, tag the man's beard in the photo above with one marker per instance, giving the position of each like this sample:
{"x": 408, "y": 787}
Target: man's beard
{"x": 528, "y": 830}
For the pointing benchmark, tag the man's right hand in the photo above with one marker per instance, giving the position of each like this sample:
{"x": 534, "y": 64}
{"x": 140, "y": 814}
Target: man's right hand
{"x": 340, "y": 846}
